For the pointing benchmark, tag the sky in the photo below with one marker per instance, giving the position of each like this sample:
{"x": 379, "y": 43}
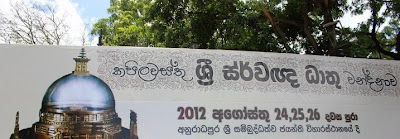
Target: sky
{"x": 92, "y": 10}
{"x": 79, "y": 13}
{"x": 82, "y": 12}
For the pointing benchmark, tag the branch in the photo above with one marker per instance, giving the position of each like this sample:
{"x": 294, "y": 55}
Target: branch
{"x": 290, "y": 22}
{"x": 27, "y": 22}
{"x": 307, "y": 31}
{"x": 277, "y": 30}
{"x": 373, "y": 34}
{"x": 378, "y": 47}
{"x": 33, "y": 24}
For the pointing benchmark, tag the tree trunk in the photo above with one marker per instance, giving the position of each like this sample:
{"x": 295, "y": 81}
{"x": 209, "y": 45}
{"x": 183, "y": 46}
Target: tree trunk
{"x": 306, "y": 29}
{"x": 331, "y": 31}
{"x": 277, "y": 30}
{"x": 374, "y": 37}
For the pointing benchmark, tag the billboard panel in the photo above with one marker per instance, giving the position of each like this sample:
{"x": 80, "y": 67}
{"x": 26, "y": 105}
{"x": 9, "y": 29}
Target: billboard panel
{"x": 129, "y": 92}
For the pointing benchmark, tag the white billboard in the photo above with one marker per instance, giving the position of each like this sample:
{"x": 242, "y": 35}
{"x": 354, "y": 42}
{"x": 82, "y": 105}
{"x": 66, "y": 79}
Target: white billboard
{"x": 153, "y": 93}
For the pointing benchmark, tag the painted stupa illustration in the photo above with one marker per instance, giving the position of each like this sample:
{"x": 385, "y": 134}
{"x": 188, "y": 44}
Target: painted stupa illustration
{"x": 78, "y": 106}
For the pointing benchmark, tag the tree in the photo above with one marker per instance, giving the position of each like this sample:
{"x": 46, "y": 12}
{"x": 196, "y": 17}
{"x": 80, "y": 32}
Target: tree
{"x": 32, "y": 23}
{"x": 293, "y": 26}
{"x": 310, "y": 23}
{"x": 171, "y": 23}
{"x": 315, "y": 23}
{"x": 127, "y": 25}
{"x": 379, "y": 41}
{"x": 224, "y": 24}
{"x": 86, "y": 38}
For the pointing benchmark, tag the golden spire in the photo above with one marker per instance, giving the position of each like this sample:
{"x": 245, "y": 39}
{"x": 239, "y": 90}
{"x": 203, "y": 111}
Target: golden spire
{"x": 16, "y": 128}
{"x": 81, "y": 64}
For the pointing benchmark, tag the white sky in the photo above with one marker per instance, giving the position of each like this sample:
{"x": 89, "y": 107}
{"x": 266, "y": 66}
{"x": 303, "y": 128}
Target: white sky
{"x": 352, "y": 21}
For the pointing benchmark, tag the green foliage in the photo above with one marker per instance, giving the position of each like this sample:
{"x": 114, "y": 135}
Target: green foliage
{"x": 127, "y": 25}
{"x": 381, "y": 40}
{"x": 224, "y": 24}
{"x": 309, "y": 26}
